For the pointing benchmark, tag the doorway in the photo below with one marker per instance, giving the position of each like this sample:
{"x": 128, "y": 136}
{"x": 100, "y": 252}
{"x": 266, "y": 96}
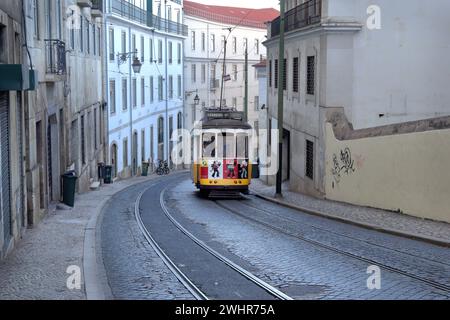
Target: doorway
{"x": 286, "y": 155}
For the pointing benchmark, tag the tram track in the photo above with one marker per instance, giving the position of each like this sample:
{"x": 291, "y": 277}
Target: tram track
{"x": 436, "y": 285}
{"x": 315, "y": 227}
{"x": 172, "y": 265}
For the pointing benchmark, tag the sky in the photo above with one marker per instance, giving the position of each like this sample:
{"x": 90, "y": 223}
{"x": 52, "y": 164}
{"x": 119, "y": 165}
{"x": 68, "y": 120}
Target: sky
{"x": 240, "y": 3}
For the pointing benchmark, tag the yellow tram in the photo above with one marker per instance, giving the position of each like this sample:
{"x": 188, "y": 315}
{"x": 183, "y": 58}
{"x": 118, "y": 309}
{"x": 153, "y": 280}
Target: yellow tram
{"x": 220, "y": 151}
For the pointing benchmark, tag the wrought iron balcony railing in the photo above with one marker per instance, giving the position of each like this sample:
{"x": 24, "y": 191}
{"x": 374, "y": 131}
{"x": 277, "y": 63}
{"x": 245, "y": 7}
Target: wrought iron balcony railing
{"x": 97, "y": 5}
{"x": 55, "y": 56}
{"x": 132, "y": 12}
{"x": 303, "y": 15}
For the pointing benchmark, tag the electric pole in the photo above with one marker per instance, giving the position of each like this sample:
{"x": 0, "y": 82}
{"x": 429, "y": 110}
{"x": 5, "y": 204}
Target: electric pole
{"x": 280, "y": 100}
{"x": 246, "y": 87}
{"x": 224, "y": 68}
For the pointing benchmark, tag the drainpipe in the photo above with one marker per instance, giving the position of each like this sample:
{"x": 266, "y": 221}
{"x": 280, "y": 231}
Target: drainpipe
{"x": 131, "y": 140}
{"x": 166, "y": 83}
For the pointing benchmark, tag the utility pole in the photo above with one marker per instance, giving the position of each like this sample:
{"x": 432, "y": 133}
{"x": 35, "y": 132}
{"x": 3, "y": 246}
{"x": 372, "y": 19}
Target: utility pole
{"x": 280, "y": 100}
{"x": 246, "y": 87}
{"x": 223, "y": 69}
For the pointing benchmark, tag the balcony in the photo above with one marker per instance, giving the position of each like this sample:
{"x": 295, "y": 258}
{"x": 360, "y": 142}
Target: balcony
{"x": 55, "y": 57}
{"x": 306, "y": 14}
{"x": 134, "y": 13}
{"x": 97, "y": 8}
{"x": 84, "y": 3}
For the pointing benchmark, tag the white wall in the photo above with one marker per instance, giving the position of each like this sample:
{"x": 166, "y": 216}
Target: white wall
{"x": 147, "y": 112}
{"x": 233, "y": 88}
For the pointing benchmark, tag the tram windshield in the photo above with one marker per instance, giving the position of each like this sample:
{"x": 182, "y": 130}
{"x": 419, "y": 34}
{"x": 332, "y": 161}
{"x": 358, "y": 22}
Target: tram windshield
{"x": 225, "y": 145}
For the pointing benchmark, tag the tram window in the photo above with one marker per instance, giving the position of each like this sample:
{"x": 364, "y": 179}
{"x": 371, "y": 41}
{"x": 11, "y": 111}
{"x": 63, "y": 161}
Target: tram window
{"x": 226, "y": 145}
{"x": 209, "y": 145}
{"x": 242, "y": 146}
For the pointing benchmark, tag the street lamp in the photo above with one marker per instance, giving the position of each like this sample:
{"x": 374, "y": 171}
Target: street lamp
{"x": 197, "y": 100}
{"x": 123, "y": 57}
{"x": 137, "y": 65}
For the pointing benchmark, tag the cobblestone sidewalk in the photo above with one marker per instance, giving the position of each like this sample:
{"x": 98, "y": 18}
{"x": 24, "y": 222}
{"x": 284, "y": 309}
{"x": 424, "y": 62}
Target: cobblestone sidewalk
{"x": 392, "y": 222}
{"x": 36, "y": 269}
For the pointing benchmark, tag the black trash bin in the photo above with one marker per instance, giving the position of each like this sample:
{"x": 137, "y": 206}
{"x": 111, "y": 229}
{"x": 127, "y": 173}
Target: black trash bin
{"x": 107, "y": 178}
{"x": 145, "y": 165}
{"x": 101, "y": 170}
{"x": 69, "y": 184}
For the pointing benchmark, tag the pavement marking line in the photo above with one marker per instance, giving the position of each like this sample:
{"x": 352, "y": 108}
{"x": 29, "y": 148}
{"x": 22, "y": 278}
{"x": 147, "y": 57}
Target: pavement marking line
{"x": 192, "y": 288}
{"x": 270, "y": 289}
{"x": 431, "y": 283}
{"x": 435, "y": 241}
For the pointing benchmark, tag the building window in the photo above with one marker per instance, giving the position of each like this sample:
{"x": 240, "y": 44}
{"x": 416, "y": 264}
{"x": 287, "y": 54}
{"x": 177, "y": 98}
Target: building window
{"x": 276, "y": 73}
{"x": 203, "y": 41}
{"x": 36, "y": 18}
{"x": 94, "y": 39}
{"x": 125, "y": 152}
{"x": 160, "y": 52}
{"x": 245, "y": 44}
{"x": 124, "y": 41}
{"x": 234, "y": 45}
{"x": 160, "y": 88}
{"x": 193, "y": 73}
{"x": 179, "y": 121}
{"x": 83, "y": 144}
{"x": 151, "y": 51}
{"x": 160, "y": 130}
{"x": 256, "y": 46}
{"x": 133, "y": 93}
{"x": 213, "y": 43}
{"x": 270, "y": 73}
{"x": 295, "y": 72}
{"x": 112, "y": 96}
{"x": 88, "y": 36}
{"x": 234, "y": 102}
{"x": 170, "y": 87}
{"x": 142, "y": 49}
{"x": 99, "y": 37}
{"x": 143, "y": 92}
{"x": 124, "y": 94}
{"x": 81, "y": 36}
{"x": 285, "y": 74}
{"x": 142, "y": 145}
{"x": 111, "y": 44}
{"x": 203, "y": 73}
{"x": 133, "y": 46}
{"x": 151, "y": 90}
{"x": 310, "y": 76}
{"x": 72, "y": 30}
{"x": 179, "y": 53}
{"x": 193, "y": 40}
{"x": 213, "y": 71}
{"x": 170, "y": 53}
{"x": 256, "y": 103}
{"x": 310, "y": 159}
{"x": 235, "y": 72}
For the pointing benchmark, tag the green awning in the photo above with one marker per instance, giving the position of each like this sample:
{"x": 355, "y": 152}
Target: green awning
{"x": 15, "y": 77}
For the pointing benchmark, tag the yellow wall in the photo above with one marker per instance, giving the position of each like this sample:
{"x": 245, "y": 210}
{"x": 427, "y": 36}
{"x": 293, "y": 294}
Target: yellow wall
{"x": 408, "y": 172}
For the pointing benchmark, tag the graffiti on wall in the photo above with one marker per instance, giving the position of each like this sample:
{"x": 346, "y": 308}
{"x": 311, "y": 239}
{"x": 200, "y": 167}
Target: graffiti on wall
{"x": 342, "y": 164}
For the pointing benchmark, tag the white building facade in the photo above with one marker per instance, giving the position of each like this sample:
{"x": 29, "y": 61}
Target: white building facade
{"x": 209, "y": 29}
{"x": 365, "y": 86}
{"x": 145, "y": 107}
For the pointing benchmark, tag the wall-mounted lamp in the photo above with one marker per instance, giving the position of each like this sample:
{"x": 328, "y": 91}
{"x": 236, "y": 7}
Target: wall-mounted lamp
{"x": 123, "y": 57}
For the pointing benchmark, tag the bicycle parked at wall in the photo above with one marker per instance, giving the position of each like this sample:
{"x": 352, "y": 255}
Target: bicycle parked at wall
{"x": 162, "y": 168}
